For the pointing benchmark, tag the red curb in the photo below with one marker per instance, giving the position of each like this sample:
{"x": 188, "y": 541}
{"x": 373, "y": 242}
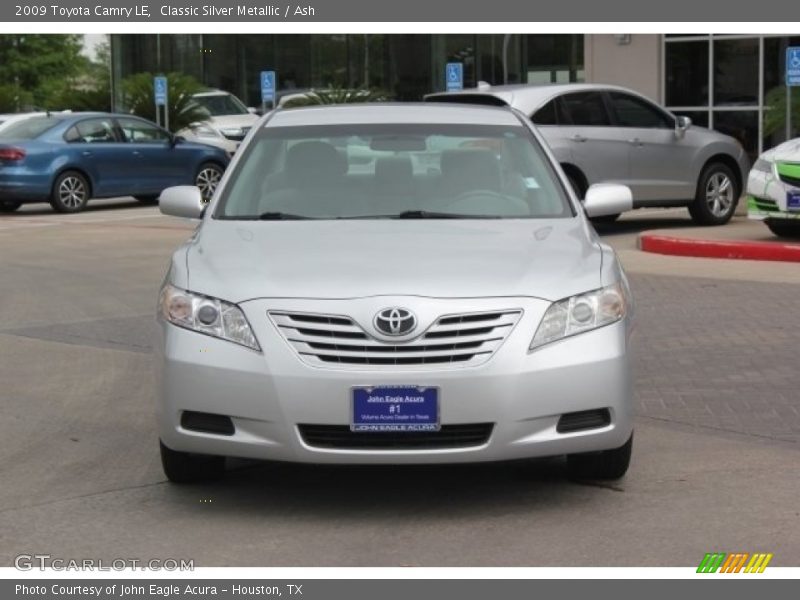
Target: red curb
{"x": 733, "y": 249}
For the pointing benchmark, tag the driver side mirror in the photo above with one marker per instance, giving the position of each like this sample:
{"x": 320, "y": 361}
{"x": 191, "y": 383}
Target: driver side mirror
{"x": 605, "y": 199}
{"x": 176, "y": 139}
{"x": 681, "y": 125}
{"x": 183, "y": 201}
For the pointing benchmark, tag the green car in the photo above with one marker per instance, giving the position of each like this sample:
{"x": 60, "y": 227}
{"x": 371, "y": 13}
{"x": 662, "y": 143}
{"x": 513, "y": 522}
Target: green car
{"x": 773, "y": 189}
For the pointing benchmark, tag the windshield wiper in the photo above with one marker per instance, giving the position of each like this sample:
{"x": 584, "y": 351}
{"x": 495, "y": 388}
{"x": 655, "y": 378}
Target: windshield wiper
{"x": 282, "y": 216}
{"x": 426, "y": 214}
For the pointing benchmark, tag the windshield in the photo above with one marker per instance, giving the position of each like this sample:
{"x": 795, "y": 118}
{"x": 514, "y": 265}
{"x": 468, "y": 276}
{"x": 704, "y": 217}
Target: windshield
{"x": 28, "y": 129}
{"x": 221, "y": 104}
{"x": 393, "y": 171}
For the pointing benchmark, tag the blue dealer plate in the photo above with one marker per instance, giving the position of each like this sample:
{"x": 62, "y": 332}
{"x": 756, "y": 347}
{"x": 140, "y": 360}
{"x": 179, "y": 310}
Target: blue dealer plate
{"x": 793, "y": 200}
{"x": 395, "y": 408}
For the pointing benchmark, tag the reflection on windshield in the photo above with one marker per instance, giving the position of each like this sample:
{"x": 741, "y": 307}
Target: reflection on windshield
{"x": 393, "y": 171}
{"x": 28, "y": 129}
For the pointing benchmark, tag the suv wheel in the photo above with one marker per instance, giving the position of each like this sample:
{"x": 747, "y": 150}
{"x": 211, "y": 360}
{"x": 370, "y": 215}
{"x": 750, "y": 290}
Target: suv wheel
{"x": 183, "y": 467}
{"x": 781, "y": 228}
{"x": 608, "y": 464}
{"x": 716, "y": 197}
{"x": 70, "y": 192}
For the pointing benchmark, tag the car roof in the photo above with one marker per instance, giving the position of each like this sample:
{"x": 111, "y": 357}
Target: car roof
{"x": 529, "y": 97}
{"x": 211, "y": 93}
{"x": 390, "y": 112}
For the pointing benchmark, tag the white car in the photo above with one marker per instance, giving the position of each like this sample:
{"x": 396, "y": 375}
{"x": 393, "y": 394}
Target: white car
{"x": 773, "y": 189}
{"x": 228, "y": 122}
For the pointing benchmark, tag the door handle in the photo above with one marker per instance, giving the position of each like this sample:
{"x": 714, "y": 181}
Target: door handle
{"x": 137, "y": 153}
{"x": 579, "y": 138}
{"x": 86, "y": 153}
{"x": 635, "y": 142}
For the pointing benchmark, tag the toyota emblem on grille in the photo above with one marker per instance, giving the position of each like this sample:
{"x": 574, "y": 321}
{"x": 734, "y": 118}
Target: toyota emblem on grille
{"x": 395, "y": 321}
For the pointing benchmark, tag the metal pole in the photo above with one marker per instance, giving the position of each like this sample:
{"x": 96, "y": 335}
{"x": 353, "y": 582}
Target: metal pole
{"x": 166, "y": 113}
{"x": 788, "y": 111}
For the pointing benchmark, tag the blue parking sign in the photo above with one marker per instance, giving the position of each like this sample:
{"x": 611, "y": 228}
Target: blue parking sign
{"x": 160, "y": 90}
{"x": 454, "y": 76}
{"x": 268, "y": 85}
{"x": 793, "y": 66}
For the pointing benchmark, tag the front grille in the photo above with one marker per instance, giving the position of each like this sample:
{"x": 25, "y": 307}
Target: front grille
{"x": 466, "y": 340}
{"x": 793, "y": 181}
{"x": 585, "y": 419}
{"x": 449, "y": 436}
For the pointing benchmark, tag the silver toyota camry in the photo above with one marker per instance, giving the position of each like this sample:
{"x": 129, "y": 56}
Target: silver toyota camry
{"x": 392, "y": 284}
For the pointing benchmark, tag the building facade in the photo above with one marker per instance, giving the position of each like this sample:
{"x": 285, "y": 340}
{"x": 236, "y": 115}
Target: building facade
{"x": 733, "y": 83}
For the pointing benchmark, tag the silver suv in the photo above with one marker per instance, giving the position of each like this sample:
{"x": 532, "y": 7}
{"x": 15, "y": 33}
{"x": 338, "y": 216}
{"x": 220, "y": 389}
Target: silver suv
{"x": 603, "y": 133}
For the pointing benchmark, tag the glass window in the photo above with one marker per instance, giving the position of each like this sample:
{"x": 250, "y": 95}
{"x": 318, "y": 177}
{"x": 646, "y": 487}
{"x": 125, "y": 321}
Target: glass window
{"x": 142, "y": 132}
{"x": 382, "y": 171}
{"x": 554, "y": 58}
{"x": 774, "y": 126}
{"x": 546, "y": 115}
{"x": 742, "y": 125}
{"x": 28, "y": 129}
{"x": 220, "y": 104}
{"x": 686, "y": 73}
{"x": 736, "y": 72}
{"x": 635, "y": 112}
{"x": 586, "y": 108}
{"x": 95, "y": 131}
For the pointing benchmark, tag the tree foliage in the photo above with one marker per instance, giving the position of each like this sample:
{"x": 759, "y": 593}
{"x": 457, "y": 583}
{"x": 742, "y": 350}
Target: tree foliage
{"x": 775, "y": 116}
{"x": 138, "y": 97}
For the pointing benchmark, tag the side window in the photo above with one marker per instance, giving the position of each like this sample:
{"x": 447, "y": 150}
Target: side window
{"x": 586, "y": 108}
{"x": 92, "y": 131}
{"x": 635, "y": 112}
{"x": 546, "y": 115}
{"x": 141, "y": 132}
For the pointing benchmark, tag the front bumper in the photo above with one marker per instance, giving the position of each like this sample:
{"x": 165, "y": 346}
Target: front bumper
{"x": 767, "y": 197}
{"x": 267, "y": 395}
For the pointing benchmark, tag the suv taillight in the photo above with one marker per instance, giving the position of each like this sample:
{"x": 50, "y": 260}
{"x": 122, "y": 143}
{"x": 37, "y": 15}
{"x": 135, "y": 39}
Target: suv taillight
{"x": 12, "y": 154}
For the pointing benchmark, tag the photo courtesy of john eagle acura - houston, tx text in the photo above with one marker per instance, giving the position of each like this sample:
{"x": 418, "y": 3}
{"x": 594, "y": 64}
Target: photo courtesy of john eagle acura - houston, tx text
{"x": 394, "y": 284}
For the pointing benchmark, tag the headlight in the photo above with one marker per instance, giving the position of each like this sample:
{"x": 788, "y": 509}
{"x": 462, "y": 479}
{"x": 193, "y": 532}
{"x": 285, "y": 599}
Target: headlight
{"x": 762, "y": 165}
{"x": 581, "y": 313}
{"x": 207, "y": 315}
{"x": 232, "y": 132}
{"x": 205, "y": 131}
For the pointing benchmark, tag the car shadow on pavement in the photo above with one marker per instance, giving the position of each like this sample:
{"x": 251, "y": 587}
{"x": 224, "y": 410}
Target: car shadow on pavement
{"x": 632, "y": 225}
{"x": 97, "y": 206}
{"x": 380, "y": 491}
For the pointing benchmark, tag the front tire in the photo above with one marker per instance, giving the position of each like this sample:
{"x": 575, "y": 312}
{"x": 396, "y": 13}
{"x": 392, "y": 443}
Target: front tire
{"x": 9, "y": 206}
{"x": 716, "y": 197}
{"x": 207, "y": 180}
{"x": 183, "y": 467}
{"x": 70, "y": 192}
{"x": 787, "y": 229}
{"x": 608, "y": 464}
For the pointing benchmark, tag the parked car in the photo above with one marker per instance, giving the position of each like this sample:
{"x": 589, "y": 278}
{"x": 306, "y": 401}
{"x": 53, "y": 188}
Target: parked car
{"x": 773, "y": 189}
{"x": 228, "y": 121}
{"x": 459, "y": 308}
{"x": 613, "y": 134}
{"x": 68, "y": 159}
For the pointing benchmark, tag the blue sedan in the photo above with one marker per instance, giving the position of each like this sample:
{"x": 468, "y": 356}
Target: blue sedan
{"x": 68, "y": 159}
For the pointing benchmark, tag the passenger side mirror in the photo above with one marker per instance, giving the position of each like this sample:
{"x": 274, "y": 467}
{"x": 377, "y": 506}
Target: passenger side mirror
{"x": 183, "y": 201}
{"x": 681, "y": 125}
{"x": 604, "y": 199}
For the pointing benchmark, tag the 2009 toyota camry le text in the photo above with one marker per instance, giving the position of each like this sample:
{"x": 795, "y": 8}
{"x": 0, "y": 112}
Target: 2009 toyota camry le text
{"x": 390, "y": 284}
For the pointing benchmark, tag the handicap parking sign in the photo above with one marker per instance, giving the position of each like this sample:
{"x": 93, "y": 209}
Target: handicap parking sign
{"x": 160, "y": 90}
{"x": 267, "y": 87}
{"x": 793, "y": 66}
{"x": 454, "y": 76}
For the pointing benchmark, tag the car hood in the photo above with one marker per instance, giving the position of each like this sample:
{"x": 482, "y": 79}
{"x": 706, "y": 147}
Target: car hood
{"x": 789, "y": 151}
{"x": 247, "y": 120}
{"x": 244, "y": 260}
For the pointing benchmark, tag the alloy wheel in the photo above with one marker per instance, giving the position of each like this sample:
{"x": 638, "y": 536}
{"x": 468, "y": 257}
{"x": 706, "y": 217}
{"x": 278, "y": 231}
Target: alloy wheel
{"x": 719, "y": 194}
{"x": 72, "y": 192}
{"x": 207, "y": 181}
